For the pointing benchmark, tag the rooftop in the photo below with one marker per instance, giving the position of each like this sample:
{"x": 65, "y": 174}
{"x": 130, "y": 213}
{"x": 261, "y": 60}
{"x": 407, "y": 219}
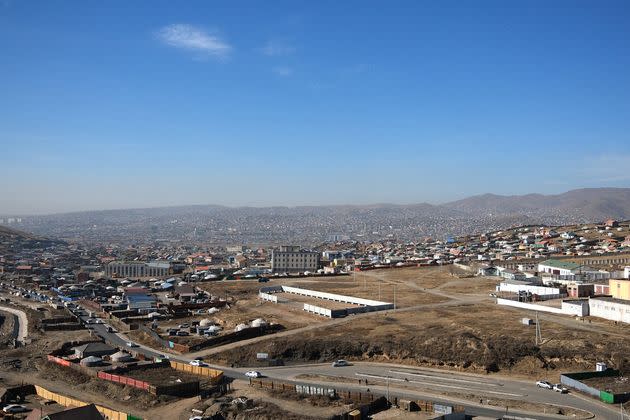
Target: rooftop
{"x": 567, "y": 265}
{"x": 612, "y": 300}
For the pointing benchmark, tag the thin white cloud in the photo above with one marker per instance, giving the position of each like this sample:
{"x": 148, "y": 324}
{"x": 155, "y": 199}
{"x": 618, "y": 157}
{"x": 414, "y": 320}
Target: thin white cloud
{"x": 283, "y": 71}
{"x": 192, "y": 38}
{"x": 605, "y": 168}
{"x": 276, "y": 48}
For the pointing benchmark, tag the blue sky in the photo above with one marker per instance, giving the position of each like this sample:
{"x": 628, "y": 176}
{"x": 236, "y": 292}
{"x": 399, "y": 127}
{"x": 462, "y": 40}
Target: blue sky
{"x": 136, "y": 104}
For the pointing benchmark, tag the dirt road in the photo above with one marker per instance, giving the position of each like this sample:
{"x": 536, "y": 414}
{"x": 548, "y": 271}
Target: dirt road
{"x": 23, "y": 320}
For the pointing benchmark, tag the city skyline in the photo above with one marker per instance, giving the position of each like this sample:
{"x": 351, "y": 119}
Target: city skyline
{"x": 110, "y": 107}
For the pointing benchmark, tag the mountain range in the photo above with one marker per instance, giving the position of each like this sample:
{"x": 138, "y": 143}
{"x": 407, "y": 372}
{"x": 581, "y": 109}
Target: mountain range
{"x": 212, "y": 224}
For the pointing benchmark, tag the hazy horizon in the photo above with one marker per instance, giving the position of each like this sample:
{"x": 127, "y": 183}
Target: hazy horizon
{"x": 382, "y": 203}
{"x": 106, "y": 106}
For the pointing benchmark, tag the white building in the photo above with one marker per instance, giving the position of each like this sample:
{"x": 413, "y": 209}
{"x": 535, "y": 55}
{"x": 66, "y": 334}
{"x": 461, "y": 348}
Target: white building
{"x": 577, "y": 307}
{"x": 566, "y": 272}
{"x": 559, "y": 268}
{"x": 290, "y": 259}
{"x": 610, "y": 308}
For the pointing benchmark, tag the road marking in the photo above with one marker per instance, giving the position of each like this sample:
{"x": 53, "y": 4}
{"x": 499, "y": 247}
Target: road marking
{"x": 367, "y": 375}
{"x": 437, "y": 377}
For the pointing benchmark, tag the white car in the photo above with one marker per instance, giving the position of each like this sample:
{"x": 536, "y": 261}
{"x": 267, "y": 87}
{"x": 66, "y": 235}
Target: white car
{"x": 197, "y": 363}
{"x": 14, "y": 408}
{"x": 253, "y": 374}
{"x": 559, "y": 388}
{"x": 131, "y": 344}
{"x": 340, "y": 363}
{"x": 544, "y": 384}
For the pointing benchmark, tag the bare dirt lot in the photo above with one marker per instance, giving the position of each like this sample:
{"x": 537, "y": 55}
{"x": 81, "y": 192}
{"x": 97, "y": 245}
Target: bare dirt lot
{"x": 161, "y": 376}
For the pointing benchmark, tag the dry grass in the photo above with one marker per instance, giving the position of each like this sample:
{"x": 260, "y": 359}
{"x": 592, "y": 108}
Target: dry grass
{"x": 475, "y": 335}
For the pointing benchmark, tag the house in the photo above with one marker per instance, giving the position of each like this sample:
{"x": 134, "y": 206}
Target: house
{"x": 140, "y": 302}
{"x": 611, "y": 223}
{"x": 97, "y": 349}
{"x": 487, "y": 270}
{"x": 185, "y": 292}
{"x": 241, "y": 261}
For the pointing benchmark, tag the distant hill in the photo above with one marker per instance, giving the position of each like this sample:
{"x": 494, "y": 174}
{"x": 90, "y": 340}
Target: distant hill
{"x": 9, "y": 233}
{"x": 593, "y": 204}
{"x": 13, "y": 236}
{"x": 211, "y": 224}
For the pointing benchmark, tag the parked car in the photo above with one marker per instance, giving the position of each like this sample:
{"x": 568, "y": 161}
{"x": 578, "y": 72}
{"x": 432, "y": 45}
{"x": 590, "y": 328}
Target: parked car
{"x": 544, "y": 384}
{"x": 253, "y": 374}
{"x": 184, "y": 325}
{"x": 559, "y": 388}
{"x": 340, "y": 363}
{"x": 197, "y": 363}
{"x": 14, "y": 408}
{"x": 263, "y": 280}
{"x": 182, "y": 333}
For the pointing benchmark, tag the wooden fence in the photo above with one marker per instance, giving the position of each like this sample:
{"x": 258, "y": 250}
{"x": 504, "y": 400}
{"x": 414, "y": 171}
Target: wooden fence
{"x": 215, "y": 375}
{"x": 359, "y": 397}
{"x": 125, "y": 380}
{"x": 108, "y": 413}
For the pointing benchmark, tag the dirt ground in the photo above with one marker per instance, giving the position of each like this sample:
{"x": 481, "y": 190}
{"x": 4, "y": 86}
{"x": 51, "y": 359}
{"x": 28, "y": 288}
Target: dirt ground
{"x": 6, "y": 326}
{"x": 161, "y": 376}
{"x": 448, "y": 322}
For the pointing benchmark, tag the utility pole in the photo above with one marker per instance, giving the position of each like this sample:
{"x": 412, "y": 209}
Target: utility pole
{"x": 538, "y": 331}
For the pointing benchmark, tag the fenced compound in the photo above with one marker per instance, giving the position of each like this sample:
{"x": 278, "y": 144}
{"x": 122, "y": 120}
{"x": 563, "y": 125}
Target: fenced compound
{"x": 215, "y": 375}
{"x": 359, "y": 397}
{"x": 575, "y": 380}
{"x": 108, "y": 413}
{"x": 359, "y": 305}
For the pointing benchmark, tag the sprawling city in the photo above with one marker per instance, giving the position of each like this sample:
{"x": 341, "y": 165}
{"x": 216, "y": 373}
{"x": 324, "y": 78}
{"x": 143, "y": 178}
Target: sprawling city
{"x": 315, "y": 210}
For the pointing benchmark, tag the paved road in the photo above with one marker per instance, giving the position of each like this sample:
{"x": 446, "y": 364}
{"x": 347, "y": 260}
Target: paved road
{"x": 22, "y": 320}
{"x": 402, "y": 381}
{"x": 412, "y": 382}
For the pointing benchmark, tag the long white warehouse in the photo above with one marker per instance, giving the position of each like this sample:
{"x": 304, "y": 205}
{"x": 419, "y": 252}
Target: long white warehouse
{"x": 362, "y": 305}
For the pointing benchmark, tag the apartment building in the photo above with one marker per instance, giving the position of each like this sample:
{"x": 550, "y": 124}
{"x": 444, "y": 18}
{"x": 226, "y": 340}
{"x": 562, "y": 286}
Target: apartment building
{"x": 291, "y": 259}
